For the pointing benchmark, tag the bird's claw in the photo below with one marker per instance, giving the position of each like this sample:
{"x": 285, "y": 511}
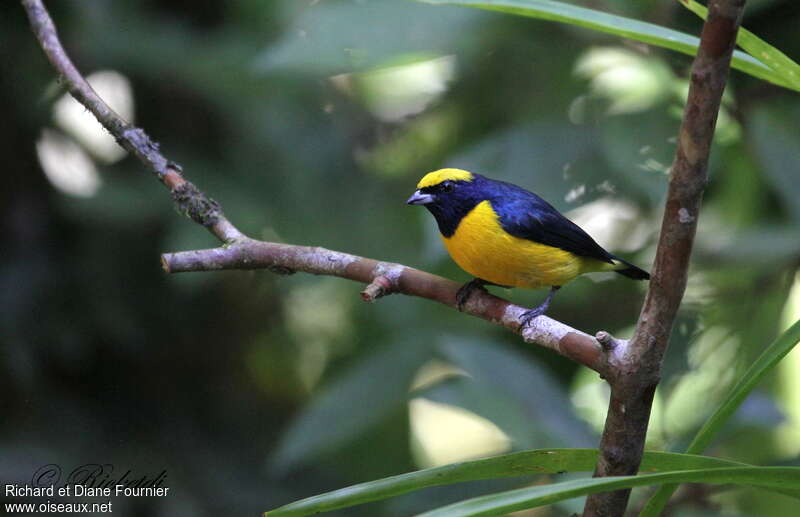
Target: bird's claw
{"x": 530, "y": 315}
{"x": 466, "y": 290}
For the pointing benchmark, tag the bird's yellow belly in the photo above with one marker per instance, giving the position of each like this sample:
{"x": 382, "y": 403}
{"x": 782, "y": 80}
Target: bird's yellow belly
{"x": 482, "y": 248}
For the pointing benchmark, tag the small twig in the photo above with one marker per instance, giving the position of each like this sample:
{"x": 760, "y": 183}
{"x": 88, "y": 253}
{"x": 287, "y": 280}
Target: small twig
{"x": 378, "y": 288}
{"x": 606, "y": 341}
{"x": 638, "y": 373}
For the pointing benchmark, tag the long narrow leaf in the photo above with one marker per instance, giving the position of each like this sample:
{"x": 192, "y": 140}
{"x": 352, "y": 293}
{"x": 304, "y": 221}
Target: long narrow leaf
{"x": 618, "y": 26}
{"x": 763, "y": 365}
{"x": 781, "y": 478}
{"x": 543, "y": 461}
{"x": 779, "y": 62}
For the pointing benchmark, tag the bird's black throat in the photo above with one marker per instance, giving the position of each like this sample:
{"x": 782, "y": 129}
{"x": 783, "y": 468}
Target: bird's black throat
{"x": 449, "y": 215}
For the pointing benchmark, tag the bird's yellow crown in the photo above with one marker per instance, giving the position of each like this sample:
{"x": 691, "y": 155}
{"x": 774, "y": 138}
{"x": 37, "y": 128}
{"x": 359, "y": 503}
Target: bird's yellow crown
{"x": 436, "y": 177}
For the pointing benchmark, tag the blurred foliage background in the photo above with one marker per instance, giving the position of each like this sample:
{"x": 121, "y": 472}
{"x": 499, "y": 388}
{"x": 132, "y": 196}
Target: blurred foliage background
{"x": 311, "y": 122}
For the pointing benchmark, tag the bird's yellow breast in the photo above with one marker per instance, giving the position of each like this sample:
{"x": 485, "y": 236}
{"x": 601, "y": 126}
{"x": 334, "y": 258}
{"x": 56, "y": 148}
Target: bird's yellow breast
{"x": 481, "y": 247}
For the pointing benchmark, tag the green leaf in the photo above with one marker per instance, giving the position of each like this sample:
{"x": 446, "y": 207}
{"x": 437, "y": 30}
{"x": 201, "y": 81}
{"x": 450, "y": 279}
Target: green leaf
{"x": 779, "y": 62}
{"x": 338, "y": 37}
{"x": 775, "y": 137}
{"x": 380, "y": 383}
{"x": 504, "y": 374}
{"x": 765, "y": 362}
{"x": 542, "y": 461}
{"x": 575, "y": 460}
{"x": 619, "y": 26}
{"x": 532, "y": 497}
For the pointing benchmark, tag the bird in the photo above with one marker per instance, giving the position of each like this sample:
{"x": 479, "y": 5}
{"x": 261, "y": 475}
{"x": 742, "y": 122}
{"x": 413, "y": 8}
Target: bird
{"x": 507, "y": 236}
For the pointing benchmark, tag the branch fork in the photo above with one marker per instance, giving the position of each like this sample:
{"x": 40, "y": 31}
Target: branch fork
{"x": 632, "y": 391}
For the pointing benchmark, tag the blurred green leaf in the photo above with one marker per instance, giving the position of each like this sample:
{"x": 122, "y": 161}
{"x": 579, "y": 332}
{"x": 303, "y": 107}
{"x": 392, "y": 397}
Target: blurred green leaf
{"x": 757, "y": 371}
{"x": 542, "y": 403}
{"x": 648, "y": 151}
{"x": 779, "y": 62}
{"x": 764, "y": 245}
{"x": 338, "y": 37}
{"x": 379, "y": 383}
{"x": 618, "y": 26}
{"x": 781, "y": 478}
{"x": 543, "y": 461}
{"x": 776, "y": 140}
{"x": 486, "y": 401}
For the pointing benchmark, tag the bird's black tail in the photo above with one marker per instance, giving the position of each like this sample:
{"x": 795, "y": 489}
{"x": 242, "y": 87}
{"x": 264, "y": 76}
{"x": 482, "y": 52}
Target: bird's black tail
{"x": 631, "y": 271}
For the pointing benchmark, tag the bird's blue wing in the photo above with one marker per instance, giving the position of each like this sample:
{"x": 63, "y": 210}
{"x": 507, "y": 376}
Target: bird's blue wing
{"x": 525, "y": 215}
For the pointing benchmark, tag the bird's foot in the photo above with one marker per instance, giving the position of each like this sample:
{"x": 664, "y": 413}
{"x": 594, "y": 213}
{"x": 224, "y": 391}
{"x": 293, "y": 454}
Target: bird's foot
{"x": 466, "y": 291}
{"x": 530, "y": 315}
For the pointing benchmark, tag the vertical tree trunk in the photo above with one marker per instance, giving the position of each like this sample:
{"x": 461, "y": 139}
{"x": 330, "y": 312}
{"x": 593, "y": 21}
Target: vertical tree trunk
{"x": 635, "y": 378}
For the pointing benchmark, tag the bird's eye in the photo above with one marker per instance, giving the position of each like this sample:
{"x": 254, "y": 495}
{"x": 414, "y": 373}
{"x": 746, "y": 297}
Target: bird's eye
{"x": 447, "y": 186}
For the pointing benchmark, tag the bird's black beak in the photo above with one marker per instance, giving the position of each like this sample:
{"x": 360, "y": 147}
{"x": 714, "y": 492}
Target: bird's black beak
{"x": 419, "y": 198}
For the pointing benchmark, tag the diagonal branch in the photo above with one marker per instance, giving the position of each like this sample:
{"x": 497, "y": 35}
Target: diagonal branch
{"x": 386, "y": 278}
{"x": 639, "y": 371}
{"x": 241, "y": 252}
{"x": 190, "y": 200}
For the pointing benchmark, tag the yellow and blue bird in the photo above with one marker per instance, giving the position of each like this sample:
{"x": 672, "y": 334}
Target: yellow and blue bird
{"x": 507, "y": 236}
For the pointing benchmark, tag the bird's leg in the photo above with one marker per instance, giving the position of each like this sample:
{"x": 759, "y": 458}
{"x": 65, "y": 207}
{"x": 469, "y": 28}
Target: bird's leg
{"x": 531, "y": 314}
{"x": 466, "y": 291}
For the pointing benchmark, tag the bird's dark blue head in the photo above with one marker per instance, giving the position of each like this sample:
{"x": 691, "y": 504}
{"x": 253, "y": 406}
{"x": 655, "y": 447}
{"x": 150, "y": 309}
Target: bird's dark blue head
{"x": 449, "y": 194}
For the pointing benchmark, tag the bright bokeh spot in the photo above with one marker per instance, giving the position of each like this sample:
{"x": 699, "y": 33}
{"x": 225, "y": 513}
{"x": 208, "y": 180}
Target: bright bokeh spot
{"x": 75, "y": 120}
{"x": 435, "y": 371}
{"x": 712, "y": 371}
{"x": 318, "y": 317}
{"x": 590, "y": 396}
{"x": 614, "y": 223}
{"x": 442, "y": 434}
{"x": 393, "y": 93}
{"x": 788, "y": 433}
{"x": 630, "y": 81}
{"x": 66, "y": 164}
